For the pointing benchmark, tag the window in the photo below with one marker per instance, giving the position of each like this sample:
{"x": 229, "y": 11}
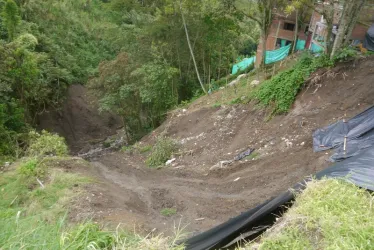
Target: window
{"x": 281, "y": 43}
{"x": 289, "y": 26}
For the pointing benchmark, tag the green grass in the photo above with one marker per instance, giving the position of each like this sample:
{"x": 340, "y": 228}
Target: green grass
{"x": 32, "y": 217}
{"x": 253, "y": 156}
{"x": 168, "y": 212}
{"x": 161, "y": 152}
{"x": 144, "y": 149}
{"x": 216, "y": 105}
{"x": 137, "y": 147}
{"x": 329, "y": 214}
{"x": 127, "y": 149}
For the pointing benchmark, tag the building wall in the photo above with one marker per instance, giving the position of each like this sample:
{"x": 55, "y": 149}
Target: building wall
{"x": 274, "y": 34}
{"x": 359, "y": 31}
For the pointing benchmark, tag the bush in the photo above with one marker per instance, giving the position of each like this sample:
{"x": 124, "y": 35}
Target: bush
{"x": 161, "y": 152}
{"x": 30, "y": 168}
{"x": 345, "y": 54}
{"x": 46, "y": 144}
{"x": 281, "y": 90}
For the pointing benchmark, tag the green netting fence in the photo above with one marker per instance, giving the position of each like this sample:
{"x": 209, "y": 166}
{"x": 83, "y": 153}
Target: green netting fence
{"x": 272, "y": 56}
{"x": 316, "y": 48}
{"x": 243, "y": 64}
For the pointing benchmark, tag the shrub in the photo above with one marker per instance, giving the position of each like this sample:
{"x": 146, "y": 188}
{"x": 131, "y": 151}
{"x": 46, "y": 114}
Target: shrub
{"x": 46, "y": 144}
{"x": 161, "y": 151}
{"x": 344, "y": 54}
{"x": 281, "y": 90}
{"x": 30, "y": 168}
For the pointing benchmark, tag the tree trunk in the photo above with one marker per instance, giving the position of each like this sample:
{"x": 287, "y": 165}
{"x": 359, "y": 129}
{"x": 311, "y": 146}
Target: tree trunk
{"x": 263, "y": 42}
{"x": 347, "y": 22}
{"x": 296, "y": 32}
{"x": 190, "y": 47}
{"x": 358, "y": 7}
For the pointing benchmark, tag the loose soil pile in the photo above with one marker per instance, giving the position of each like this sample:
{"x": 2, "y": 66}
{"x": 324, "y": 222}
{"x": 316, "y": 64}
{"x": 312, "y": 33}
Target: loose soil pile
{"x": 203, "y": 188}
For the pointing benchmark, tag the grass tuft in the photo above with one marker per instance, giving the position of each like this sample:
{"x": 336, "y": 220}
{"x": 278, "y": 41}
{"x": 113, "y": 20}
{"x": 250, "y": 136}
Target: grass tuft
{"x": 329, "y": 214}
{"x": 168, "y": 211}
{"x": 161, "y": 152}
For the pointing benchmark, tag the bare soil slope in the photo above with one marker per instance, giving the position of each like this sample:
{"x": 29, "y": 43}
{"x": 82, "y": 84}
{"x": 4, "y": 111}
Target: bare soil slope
{"x": 79, "y": 120}
{"x": 206, "y": 194}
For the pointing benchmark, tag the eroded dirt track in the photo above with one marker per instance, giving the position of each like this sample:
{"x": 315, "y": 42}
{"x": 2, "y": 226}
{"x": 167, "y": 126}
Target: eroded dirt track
{"x": 205, "y": 194}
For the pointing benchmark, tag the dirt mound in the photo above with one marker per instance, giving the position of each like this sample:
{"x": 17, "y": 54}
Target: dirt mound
{"x": 202, "y": 185}
{"x": 79, "y": 120}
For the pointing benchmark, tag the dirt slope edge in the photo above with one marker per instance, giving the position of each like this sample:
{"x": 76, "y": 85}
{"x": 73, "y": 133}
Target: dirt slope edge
{"x": 205, "y": 196}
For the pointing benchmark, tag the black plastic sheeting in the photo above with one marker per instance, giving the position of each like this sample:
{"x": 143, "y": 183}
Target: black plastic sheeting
{"x": 347, "y": 137}
{"x": 358, "y": 169}
{"x": 369, "y": 39}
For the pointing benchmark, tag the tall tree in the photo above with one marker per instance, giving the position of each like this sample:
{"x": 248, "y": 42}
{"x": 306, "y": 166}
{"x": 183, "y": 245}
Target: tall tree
{"x": 348, "y": 20}
{"x": 11, "y": 18}
{"x": 262, "y": 12}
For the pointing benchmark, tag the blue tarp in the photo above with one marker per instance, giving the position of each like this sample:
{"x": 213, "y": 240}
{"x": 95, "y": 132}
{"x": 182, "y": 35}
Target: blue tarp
{"x": 243, "y": 64}
{"x": 316, "y": 48}
{"x": 300, "y": 45}
{"x": 273, "y": 56}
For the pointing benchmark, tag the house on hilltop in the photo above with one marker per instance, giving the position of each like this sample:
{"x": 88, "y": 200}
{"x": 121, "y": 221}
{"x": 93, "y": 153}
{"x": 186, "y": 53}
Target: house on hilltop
{"x": 313, "y": 30}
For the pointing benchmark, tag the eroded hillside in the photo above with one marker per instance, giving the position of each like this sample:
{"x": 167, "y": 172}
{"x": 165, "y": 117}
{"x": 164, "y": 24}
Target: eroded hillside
{"x": 205, "y": 185}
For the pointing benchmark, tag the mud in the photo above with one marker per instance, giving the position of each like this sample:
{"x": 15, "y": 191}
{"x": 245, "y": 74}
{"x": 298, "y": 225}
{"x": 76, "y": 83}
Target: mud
{"x": 204, "y": 196}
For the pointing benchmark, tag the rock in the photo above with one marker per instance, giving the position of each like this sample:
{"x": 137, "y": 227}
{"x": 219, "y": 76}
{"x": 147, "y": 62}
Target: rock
{"x": 302, "y": 144}
{"x": 220, "y": 165}
{"x": 237, "y": 79}
{"x": 224, "y": 163}
{"x": 241, "y": 76}
{"x": 255, "y": 83}
{"x": 170, "y": 161}
{"x": 233, "y": 83}
{"x": 7, "y": 164}
{"x": 243, "y": 98}
{"x": 214, "y": 167}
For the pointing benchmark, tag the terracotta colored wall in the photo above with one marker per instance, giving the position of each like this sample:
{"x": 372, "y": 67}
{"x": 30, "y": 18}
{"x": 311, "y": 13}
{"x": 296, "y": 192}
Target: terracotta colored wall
{"x": 359, "y": 32}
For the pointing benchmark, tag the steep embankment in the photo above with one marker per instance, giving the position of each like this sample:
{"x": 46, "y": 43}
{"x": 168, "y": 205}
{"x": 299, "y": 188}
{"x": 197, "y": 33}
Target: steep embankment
{"x": 200, "y": 185}
{"x": 79, "y": 121}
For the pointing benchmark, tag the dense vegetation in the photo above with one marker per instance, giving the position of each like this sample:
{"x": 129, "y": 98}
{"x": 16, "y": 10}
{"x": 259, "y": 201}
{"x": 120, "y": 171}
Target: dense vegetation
{"x": 145, "y": 68}
{"x": 155, "y": 70}
{"x": 280, "y": 91}
{"x": 44, "y": 47}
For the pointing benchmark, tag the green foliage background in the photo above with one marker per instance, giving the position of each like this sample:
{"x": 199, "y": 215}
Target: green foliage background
{"x": 133, "y": 54}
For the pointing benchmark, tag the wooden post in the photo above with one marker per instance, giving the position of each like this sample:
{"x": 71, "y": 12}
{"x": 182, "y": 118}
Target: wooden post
{"x": 345, "y": 144}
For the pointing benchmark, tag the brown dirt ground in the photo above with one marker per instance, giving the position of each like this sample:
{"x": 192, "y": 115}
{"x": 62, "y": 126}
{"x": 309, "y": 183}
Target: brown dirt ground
{"x": 79, "y": 121}
{"x": 128, "y": 192}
